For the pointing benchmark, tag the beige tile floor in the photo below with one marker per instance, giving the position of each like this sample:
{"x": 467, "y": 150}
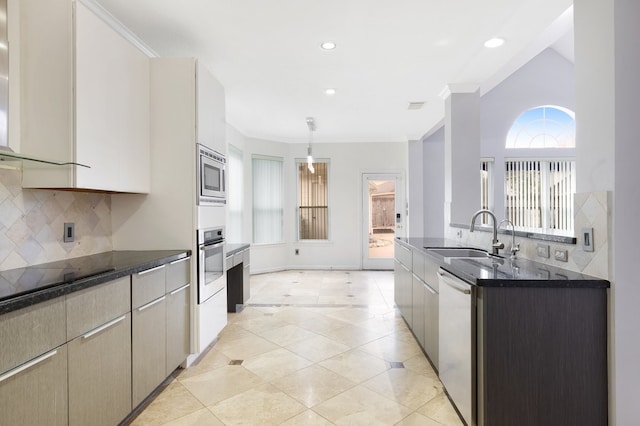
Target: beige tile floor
{"x": 310, "y": 348}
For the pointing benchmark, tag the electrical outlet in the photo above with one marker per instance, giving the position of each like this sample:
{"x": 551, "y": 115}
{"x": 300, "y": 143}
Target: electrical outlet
{"x": 69, "y": 232}
{"x": 542, "y": 250}
{"x": 561, "y": 255}
{"x": 297, "y": 252}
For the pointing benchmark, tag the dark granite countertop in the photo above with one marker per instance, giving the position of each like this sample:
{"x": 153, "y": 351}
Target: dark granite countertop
{"x": 23, "y": 287}
{"x": 496, "y": 271}
{"x": 236, "y": 247}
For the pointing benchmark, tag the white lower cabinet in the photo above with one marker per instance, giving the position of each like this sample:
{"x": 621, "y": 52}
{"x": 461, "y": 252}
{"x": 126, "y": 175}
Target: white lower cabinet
{"x": 418, "y": 309}
{"x": 100, "y": 374}
{"x": 35, "y": 393}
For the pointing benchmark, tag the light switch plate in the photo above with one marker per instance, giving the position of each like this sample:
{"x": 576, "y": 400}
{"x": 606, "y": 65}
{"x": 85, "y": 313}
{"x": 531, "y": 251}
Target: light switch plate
{"x": 542, "y": 250}
{"x": 69, "y": 232}
{"x": 587, "y": 239}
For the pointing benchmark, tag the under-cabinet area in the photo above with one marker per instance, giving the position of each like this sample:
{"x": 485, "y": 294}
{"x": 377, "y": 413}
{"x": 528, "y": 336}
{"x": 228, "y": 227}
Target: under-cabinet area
{"x": 91, "y": 356}
{"x": 513, "y": 341}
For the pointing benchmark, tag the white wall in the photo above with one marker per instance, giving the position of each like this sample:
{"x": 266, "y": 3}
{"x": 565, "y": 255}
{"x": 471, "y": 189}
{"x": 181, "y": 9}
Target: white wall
{"x": 607, "y": 64}
{"x": 416, "y": 195}
{"x": 433, "y": 181}
{"x": 348, "y": 161}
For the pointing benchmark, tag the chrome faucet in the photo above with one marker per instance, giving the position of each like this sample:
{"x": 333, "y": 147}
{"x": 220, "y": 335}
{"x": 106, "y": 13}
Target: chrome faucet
{"x": 515, "y": 248}
{"x": 495, "y": 244}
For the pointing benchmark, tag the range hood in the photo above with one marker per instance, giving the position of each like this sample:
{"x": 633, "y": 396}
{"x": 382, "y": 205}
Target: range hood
{"x": 7, "y": 153}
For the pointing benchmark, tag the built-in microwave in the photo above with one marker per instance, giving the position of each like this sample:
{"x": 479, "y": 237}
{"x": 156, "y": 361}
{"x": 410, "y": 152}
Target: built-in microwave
{"x": 211, "y": 176}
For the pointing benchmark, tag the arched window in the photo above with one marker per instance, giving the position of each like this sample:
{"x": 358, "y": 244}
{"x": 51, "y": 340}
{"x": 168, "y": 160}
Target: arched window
{"x": 545, "y": 126}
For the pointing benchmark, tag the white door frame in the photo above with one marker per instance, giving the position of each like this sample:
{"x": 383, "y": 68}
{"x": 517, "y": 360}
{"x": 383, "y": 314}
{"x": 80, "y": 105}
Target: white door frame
{"x": 400, "y": 207}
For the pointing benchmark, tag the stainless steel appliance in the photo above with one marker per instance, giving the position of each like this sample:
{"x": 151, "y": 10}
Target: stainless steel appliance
{"x": 457, "y": 343}
{"x": 211, "y": 176}
{"x": 211, "y": 273}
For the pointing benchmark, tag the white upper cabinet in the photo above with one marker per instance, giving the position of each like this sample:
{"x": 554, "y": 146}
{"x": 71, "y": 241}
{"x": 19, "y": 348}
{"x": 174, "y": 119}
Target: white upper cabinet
{"x": 85, "y": 99}
{"x": 211, "y": 121}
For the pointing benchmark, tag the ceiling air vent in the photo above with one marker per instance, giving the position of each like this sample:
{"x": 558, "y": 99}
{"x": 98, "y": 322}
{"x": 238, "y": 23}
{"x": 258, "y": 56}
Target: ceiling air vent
{"x": 415, "y": 105}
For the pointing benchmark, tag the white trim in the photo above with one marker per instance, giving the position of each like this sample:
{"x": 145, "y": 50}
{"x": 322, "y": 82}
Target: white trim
{"x": 458, "y": 88}
{"x": 119, "y": 27}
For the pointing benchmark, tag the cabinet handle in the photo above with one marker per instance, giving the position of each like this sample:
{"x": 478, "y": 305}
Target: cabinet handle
{"x": 178, "y": 290}
{"x": 180, "y": 260}
{"x": 150, "y": 304}
{"x": 418, "y": 278}
{"x": 429, "y": 289}
{"x": 103, "y": 327}
{"x": 27, "y": 365}
{"x": 151, "y": 270}
{"x": 452, "y": 282}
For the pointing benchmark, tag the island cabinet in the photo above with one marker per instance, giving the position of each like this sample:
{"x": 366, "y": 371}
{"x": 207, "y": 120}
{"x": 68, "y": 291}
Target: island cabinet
{"x": 99, "y": 350}
{"x": 403, "y": 282}
{"x": 431, "y": 310}
{"x": 178, "y": 288}
{"x": 148, "y": 332}
{"x": 541, "y": 356}
{"x": 418, "y": 297}
{"x": 33, "y": 365}
{"x": 84, "y": 99}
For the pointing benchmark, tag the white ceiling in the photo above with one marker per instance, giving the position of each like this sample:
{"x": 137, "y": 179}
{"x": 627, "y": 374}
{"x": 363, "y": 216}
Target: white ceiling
{"x": 389, "y": 53}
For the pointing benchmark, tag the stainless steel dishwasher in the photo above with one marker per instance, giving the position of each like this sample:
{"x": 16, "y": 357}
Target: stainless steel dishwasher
{"x": 457, "y": 342}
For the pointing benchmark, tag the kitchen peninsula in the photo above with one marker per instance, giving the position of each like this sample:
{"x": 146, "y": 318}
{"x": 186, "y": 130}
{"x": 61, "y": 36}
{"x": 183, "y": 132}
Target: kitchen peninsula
{"x": 515, "y": 341}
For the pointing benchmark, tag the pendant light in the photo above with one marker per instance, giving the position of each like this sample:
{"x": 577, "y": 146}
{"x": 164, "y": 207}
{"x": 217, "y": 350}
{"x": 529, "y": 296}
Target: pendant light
{"x": 311, "y": 124}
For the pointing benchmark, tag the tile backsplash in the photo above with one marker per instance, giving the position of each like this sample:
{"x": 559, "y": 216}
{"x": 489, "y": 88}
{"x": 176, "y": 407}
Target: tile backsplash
{"x": 32, "y": 223}
{"x": 592, "y": 210}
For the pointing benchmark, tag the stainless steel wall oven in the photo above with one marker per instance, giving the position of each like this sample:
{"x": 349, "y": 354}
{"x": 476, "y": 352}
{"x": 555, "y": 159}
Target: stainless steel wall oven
{"x": 211, "y": 256}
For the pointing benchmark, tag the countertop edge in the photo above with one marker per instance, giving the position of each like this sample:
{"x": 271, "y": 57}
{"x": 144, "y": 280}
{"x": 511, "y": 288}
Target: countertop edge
{"x": 584, "y": 281}
{"x": 26, "y": 300}
{"x": 234, "y": 248}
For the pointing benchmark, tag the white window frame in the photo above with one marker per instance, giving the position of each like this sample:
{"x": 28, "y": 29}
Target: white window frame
{"x": 264, "y": 194}
{"x": 298, "y": 162}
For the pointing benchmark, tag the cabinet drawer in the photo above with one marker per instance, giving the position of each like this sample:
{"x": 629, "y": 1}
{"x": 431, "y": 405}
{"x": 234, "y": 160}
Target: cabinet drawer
{"x": 228, "y": 262}
{"x": 29, "y": 332}
{"x": 100, "y": 374}
{"x": 403, "y": 255}
{"x": 418, "y": 264}
{"x": 36, "y": 393}
{"x": 92, "y": 307}
{"x": 237, "y": 259}
{"x": 178, "y": 274}
{"x": 147, "y": 286}
{"x": 431, "y": 273}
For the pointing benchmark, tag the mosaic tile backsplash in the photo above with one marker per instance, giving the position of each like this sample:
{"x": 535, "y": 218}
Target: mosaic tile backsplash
{"x": 592, "y": 210}
{"x": 32, "y": 223}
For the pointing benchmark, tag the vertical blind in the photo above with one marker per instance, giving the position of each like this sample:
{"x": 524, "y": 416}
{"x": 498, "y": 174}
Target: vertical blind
{"x": 268, "y": 199}
{"x": 313, "y": 199}
{"x": 539, "y": 194}
{"x": 486, "y": 193}
{"x": 234, "y": 195}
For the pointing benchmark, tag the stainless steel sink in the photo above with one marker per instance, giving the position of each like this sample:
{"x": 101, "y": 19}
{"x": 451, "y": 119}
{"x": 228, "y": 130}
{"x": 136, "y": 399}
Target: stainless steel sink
{"x": 458, "y": 252}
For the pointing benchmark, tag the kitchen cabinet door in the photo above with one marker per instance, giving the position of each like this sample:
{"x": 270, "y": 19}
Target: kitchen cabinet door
{"x": 431, "y": 324}
{"x": 148, "y": 347}
{"x": 418, "y": 309}
{"x": 210, "y": 124}
{"x": 35, "y": 393}
{"x": 177, "y": 327}
{"x": 100, "y": 374}
{"x": 85, "y": 98}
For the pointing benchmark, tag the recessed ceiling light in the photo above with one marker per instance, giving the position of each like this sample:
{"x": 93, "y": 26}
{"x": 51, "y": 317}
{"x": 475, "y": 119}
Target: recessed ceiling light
{"x": 494, "y": 42}
{"x": 328, "y": 45}
{"x": 330, "y": 91}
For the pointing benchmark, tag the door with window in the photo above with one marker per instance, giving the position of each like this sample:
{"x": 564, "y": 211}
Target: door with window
{"x": 383, "y": 218}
